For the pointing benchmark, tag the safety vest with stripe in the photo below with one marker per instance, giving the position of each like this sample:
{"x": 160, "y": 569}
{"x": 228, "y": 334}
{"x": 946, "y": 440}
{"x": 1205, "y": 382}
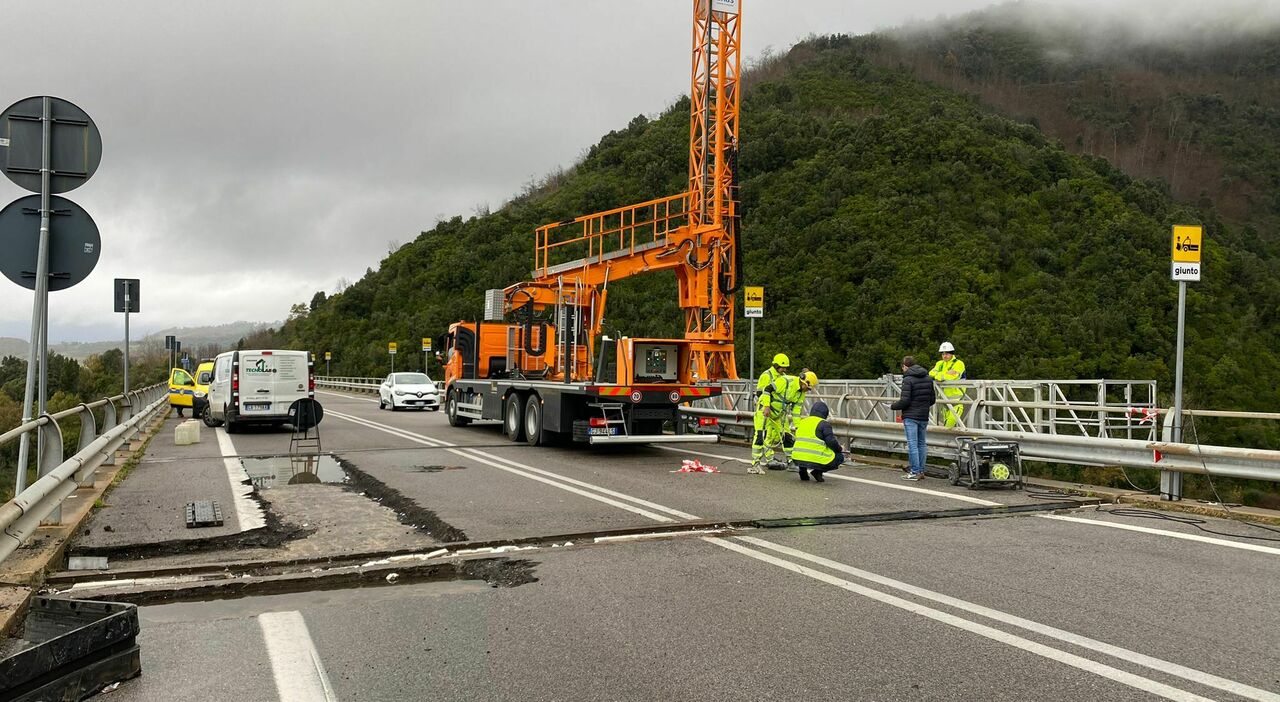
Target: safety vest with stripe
{"x": 809, "y": 448}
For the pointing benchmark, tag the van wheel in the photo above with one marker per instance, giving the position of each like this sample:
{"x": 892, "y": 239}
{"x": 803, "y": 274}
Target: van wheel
{"x": 451, "y": 411}
{"x": 513, "y": 418}
{"x": 533, "y": 421}
{"x": 206, "y": 416}
{"x": 381, "y": 405}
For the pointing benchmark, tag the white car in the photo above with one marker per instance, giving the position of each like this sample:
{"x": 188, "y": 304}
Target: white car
{"x": 408, "y": 390}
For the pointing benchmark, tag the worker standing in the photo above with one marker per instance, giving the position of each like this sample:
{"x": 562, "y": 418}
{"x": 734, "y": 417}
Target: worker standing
{"x": 817, "y": 449}
{"x": 778, "y": 398}
{"x": 949, "y": 370}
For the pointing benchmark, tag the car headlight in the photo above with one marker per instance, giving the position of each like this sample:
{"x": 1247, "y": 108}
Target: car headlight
{"x": 399, "y": 392}
{"x": 200, "y": 394}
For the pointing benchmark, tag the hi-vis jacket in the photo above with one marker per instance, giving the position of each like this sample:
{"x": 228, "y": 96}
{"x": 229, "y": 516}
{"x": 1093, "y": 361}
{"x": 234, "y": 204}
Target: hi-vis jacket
{"x": 944, "y": 371}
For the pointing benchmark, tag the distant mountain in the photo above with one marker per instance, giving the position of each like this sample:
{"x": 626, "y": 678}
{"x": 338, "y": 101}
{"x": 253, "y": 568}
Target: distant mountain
{"x": 203, "y": 340}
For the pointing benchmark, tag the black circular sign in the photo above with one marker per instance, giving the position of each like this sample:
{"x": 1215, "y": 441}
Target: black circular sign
{"x": 305, "y": 414}
{"x": 75, "y": 146}
{"x": 74, "y": 243}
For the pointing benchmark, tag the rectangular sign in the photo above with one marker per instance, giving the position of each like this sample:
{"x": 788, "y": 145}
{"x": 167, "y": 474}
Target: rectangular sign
{"x": 1186, "y": 271}
{"x": 132, "y": 285}
{"x": 753, "y": 301}
{"x": 1187, "y": 243}
{"x": 168, "y": 342}
{"x": 328, "y": 355}
{"x": 391, "y": 348}
{"x": 426, "y": 344}
{"x": 730, "y": 6}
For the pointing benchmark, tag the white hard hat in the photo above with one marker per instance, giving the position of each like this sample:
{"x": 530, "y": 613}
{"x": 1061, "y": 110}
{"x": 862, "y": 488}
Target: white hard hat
{"x": 946, "y": 347}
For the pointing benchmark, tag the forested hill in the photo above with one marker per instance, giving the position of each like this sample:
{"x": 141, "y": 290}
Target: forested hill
{"x": 883, "y": 213}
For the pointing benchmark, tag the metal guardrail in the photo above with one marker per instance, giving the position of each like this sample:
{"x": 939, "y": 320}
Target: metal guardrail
{"x": 1100, "y": 408}
{"x": 41, "y": 502}
{"x": 349, "y": 383}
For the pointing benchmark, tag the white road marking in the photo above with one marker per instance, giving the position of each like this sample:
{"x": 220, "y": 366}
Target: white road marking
{"x": 490, "y": 460}
{"x": 1106, "y": 671}
{"x": 1065, "y": 657}
{"x": 346, "y": 395}
{"x": 299, "y": 674}
{"x": 1013, "y": 620}
{"x": 483, "y": 458}
{"x": 865, "y": 481}
{"x": 1163, "y": 532}
{"x": 249, "y": 514}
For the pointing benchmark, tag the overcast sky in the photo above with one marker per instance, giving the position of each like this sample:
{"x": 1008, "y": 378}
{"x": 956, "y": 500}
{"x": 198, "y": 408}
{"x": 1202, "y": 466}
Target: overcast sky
{"x": 256, "y": 152}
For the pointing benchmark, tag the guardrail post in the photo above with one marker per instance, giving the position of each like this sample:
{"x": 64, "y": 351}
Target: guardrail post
{"x": 88, "y": 432}
{"x": 50, "y": 458}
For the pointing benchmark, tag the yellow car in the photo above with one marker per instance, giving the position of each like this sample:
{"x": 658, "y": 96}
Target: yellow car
{"x": 185, "y": 391}
{"x": 182, "y": 390}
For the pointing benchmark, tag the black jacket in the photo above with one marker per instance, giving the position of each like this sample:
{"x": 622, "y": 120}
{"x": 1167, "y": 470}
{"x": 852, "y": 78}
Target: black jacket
{"x": 917, "y": 394}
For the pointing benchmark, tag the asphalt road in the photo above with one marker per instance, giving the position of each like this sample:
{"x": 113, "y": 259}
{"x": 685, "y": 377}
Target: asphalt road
{"x": 1075, "y": 605}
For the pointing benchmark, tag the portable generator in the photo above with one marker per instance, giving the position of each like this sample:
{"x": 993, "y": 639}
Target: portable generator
{"x": 986, "y": 462}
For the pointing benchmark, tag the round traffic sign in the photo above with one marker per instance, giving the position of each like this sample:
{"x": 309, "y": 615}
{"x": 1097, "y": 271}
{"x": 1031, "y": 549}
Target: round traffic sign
{"x": 75, "y": 146}
{"x": 74, "y": 242}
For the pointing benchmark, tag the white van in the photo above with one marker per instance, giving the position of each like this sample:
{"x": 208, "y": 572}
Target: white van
{"x": 259, "y": 387}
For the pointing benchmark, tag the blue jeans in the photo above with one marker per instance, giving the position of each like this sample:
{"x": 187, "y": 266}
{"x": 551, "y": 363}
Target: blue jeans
{"x": 917, "y": 449}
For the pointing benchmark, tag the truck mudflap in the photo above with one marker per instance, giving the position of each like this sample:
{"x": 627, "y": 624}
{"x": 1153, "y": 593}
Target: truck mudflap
{"x": 655, "y": 439}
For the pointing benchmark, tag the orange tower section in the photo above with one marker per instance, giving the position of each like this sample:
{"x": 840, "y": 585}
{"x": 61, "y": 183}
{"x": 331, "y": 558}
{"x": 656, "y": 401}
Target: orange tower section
{"x": 694, "y": 233}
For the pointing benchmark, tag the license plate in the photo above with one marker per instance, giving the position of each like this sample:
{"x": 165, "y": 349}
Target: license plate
{"x": 603, "y": 431}
{"x": 255, "y": 406}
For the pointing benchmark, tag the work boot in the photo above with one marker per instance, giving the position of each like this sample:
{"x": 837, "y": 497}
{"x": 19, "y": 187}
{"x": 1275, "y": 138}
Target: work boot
{"x": 775, "y": 464}
{"x": 804, "y": 474}
{"x": 817, "y": 476}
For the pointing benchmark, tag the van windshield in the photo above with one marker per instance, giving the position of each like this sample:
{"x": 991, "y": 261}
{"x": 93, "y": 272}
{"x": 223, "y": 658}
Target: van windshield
{"x": 411, "y": 379}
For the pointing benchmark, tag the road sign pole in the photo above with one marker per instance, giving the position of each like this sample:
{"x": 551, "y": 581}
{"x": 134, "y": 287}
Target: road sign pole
{"x": 40, "y": 307}
{"x": 752, "y": 353}
{"x": 326, "y": 367}
{"x": 126, "y": 335}
{"x": 1171, "y": 481}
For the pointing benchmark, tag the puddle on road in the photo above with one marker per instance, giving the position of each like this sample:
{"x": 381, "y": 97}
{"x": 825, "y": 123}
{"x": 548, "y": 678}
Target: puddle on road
{"x": 279, "y": 471}
{"x": 435, "y": 469}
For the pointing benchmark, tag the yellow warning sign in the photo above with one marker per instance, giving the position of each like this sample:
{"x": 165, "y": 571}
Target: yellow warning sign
{"x": 426, "y": 344}
{"x": 753, "y": 301}
{"x": 391, "y": 347}
{"x": 328, "y": 355}
{"x": 1187, "y": 243}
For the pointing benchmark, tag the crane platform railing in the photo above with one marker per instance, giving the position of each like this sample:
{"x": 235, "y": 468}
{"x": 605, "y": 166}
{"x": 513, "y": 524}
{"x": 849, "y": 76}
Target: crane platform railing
{"x": 605, "y": 236}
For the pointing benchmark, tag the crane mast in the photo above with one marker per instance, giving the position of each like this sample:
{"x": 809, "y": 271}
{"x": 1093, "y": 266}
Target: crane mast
{"x": 694, "y": 233}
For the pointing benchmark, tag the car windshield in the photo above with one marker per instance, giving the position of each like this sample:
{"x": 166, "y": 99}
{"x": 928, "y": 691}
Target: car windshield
{"x": 411, "y": 379}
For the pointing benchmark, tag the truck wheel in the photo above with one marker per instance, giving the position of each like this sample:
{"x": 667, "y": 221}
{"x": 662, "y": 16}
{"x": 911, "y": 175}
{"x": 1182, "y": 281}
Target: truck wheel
{"x": 451, "y": 411}
{"x": 232, "y": 426}
{"x": 513, "y": 418}
{"x": 533, "y": 421}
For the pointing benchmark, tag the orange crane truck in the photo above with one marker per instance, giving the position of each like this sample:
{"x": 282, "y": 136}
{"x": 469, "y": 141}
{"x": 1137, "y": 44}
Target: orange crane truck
{"x": 539, "y": 361}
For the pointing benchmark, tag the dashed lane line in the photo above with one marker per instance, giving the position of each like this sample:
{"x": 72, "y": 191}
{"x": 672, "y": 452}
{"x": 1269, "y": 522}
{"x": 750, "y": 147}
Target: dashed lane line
{"x": 1059, "y": 655}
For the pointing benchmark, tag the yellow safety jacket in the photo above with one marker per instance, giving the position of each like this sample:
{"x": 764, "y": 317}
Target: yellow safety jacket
{"x": 783, "y": 395}
{"x": 945, "y": 371}
{"x": 809, "y": 447}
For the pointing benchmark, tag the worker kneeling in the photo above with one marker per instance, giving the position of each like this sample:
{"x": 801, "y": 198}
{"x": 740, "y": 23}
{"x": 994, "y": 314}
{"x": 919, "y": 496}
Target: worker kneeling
{"x": 817, "y": 450}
